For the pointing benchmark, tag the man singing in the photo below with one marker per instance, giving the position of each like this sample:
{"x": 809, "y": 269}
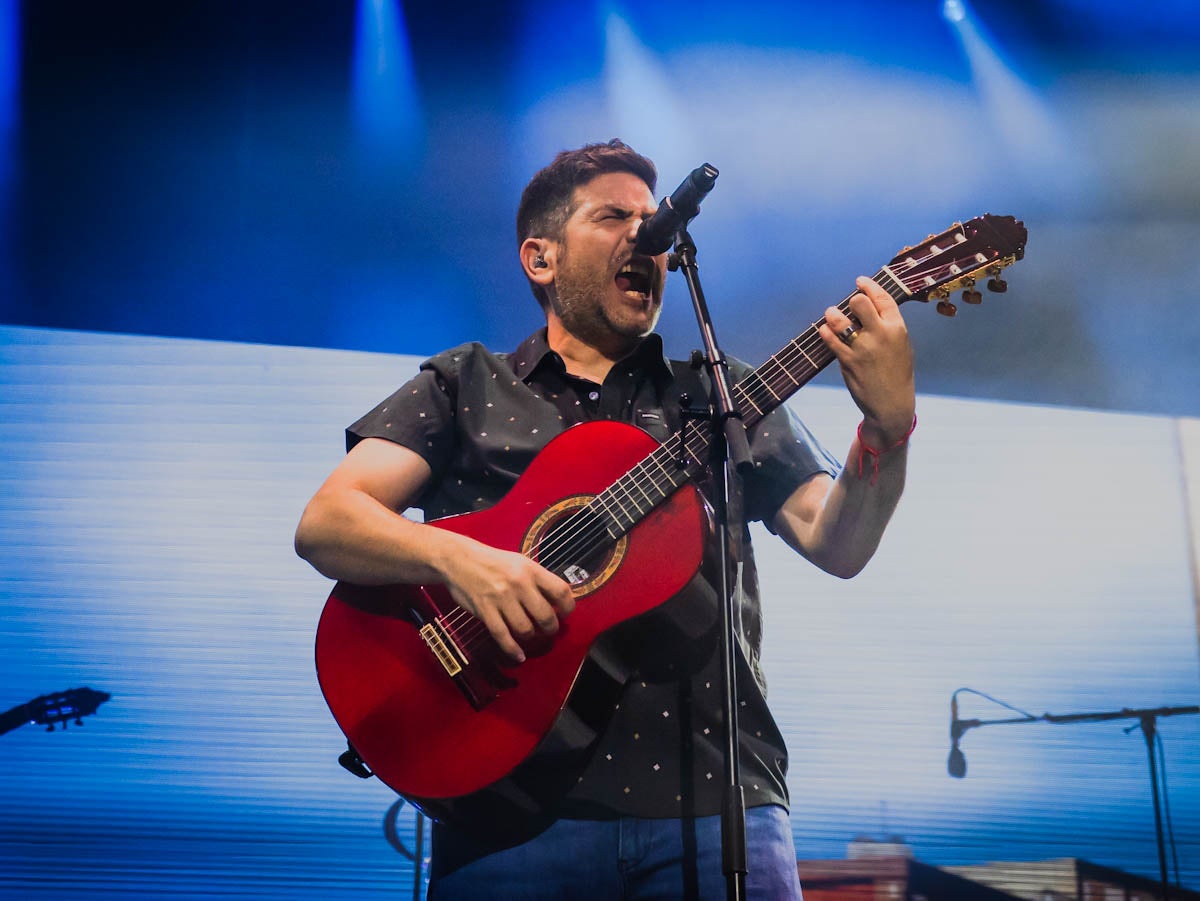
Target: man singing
{"x": 642, "y": 820}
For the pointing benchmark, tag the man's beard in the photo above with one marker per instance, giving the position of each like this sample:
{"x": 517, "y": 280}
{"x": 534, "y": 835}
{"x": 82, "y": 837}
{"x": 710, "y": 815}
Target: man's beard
{"x": 580, "y": 305}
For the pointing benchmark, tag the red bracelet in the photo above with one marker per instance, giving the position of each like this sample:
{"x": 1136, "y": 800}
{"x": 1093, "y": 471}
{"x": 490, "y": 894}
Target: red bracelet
{"x": 865, "y": 449}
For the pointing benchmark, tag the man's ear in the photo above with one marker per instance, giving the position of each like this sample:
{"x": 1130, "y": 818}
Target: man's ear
{"x": 537, "y": 259}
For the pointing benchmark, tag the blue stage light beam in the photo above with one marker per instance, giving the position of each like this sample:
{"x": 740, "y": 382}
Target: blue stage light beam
{"x": 386, "y": 103}
{"x": 1021, "y": 119}
{"x": 645, "y": 109}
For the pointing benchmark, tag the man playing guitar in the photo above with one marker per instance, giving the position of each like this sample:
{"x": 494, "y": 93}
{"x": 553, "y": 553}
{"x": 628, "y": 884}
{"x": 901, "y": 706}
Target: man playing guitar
{"x": 642, "y": 817}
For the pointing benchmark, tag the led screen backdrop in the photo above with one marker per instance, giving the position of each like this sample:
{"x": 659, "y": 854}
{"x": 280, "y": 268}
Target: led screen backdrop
{"x": 150, "y": 490}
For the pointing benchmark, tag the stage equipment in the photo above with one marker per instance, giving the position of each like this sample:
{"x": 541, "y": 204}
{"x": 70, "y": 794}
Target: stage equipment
{"x": 1147, "y": 721}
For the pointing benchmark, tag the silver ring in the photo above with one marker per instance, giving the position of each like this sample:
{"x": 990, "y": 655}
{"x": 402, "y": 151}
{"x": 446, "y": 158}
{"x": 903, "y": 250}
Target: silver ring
{"x": 848, "y": 335}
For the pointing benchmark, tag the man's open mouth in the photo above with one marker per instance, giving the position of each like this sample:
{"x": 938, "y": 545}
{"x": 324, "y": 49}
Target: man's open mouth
{"x": 636, "y": 277}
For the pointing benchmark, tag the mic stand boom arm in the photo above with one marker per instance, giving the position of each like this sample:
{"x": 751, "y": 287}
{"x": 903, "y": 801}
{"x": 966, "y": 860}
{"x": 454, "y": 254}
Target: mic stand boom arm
{"x": 1147, "y": 720}
{"x": 958, "y": 727}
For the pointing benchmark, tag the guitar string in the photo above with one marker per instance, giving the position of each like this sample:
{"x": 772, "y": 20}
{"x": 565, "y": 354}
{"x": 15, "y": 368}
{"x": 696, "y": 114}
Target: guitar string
{"x": 563, "y": 542}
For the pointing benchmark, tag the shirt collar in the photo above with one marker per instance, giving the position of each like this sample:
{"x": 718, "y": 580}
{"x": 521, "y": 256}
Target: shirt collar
{"x": 534, "y": 352}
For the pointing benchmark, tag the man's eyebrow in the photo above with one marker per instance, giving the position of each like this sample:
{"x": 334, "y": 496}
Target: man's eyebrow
{"x": 622, "y": 211}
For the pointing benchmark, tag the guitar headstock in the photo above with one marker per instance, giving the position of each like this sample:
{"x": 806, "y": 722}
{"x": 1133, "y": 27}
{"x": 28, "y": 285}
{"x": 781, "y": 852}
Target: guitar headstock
{"x": 958, "y": 258}
{"x": 73, "y": 704}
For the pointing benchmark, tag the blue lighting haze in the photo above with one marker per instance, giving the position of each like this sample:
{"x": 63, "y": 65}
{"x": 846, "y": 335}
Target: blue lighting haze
{"x": 387, "y": 114}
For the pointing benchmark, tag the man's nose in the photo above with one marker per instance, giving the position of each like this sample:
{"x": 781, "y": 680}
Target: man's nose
{"x": 635, "y": 225}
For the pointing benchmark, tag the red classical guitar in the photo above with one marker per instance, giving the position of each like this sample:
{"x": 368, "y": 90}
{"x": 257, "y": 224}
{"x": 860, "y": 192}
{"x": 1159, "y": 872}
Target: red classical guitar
{"x": 417, "y": 684}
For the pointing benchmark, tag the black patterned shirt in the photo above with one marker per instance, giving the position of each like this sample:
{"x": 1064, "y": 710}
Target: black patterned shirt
{"x": 479, "y": 418}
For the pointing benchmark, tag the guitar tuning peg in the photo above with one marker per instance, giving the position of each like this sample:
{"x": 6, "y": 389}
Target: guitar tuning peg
{"x": 946, "y": 308}
{"x": 972, "y": 296}
{"x": 997, "y": 285}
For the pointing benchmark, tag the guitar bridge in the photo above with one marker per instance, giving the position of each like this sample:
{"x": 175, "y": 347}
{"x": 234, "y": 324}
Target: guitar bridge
{"x": 449, "y": 655}
{"x": 468, "y": 665}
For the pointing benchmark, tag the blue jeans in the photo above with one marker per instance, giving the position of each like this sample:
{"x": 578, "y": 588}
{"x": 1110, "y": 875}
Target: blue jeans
{"x": 627, "y": 858}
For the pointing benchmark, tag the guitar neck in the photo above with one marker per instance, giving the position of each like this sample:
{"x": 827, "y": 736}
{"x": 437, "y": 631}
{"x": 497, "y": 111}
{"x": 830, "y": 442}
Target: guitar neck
{"x": 684, "y": 456}
{"x": 14, "y": 718}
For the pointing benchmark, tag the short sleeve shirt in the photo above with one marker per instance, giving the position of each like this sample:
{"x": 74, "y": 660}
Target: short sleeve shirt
{"x": 479, "y": 418}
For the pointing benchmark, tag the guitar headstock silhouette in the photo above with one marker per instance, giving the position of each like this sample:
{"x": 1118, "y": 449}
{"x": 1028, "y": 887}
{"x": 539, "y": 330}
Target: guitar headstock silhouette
{"x": 59, "y": 708}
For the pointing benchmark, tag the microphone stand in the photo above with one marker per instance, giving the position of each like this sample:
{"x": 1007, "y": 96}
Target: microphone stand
{"x": 1147, "y": 721}
{"x": 729, "y": 445}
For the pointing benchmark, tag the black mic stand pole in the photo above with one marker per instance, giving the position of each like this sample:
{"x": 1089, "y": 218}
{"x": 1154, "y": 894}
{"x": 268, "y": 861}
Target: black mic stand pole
{"x": 1149, "y": 724}
{"x": 729, "y": 445}
{"x": 1147, "y": 720}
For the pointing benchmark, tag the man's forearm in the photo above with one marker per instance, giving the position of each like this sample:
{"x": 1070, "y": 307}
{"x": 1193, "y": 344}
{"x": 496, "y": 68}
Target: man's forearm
{"x": 858, "y": 508}
{"x": 352, "y": 537}
{"x": 838, "y": 525}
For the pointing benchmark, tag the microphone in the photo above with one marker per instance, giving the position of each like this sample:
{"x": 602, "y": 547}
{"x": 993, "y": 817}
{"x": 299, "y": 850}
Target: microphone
{"x": 956, "y": 763}
{"x": 657, "y": 233}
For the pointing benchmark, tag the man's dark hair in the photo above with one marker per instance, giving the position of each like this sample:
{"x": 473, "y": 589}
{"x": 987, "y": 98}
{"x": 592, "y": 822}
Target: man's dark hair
{"x": 549, "y": 199}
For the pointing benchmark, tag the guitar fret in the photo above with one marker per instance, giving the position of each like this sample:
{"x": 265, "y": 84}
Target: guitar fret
{"x": 617, "y": 528}
{"x": 778, "y": 364}
{"x": 804, "y": 354}
{"x": 699, "y": 437}
{"x": 653, "y": 458}
{"x": 674, "y": 475}
{"x": 616, "y": 496}
{"x": 749, "y": 386}
{"x": 774, "y": 394}
{"x": 655, "y": 478}
{"x": 665, "y": 475}
{"x": 650, "y": 502}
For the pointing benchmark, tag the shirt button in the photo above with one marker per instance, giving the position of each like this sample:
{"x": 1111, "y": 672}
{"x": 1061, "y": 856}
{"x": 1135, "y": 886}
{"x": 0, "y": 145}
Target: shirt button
{"x": 594, "y": 395}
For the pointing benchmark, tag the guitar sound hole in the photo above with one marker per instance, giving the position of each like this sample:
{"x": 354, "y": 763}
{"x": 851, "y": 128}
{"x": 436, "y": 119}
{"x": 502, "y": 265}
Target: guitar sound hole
{"x": 570, "y": 540}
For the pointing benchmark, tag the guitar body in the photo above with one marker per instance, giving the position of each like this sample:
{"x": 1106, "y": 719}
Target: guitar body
{"x": 514, "y": 751}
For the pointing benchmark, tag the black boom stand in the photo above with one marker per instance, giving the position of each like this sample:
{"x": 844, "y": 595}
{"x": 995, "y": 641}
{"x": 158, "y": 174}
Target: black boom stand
{"x": 1147, "y": 721}
{"x": 729, "y": 445}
